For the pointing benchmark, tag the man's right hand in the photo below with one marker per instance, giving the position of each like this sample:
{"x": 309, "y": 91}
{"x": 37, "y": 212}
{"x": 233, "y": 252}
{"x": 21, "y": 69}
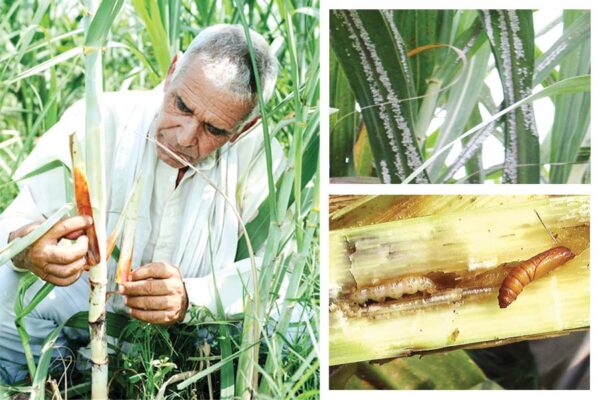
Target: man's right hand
{"x": 60, "y": 265}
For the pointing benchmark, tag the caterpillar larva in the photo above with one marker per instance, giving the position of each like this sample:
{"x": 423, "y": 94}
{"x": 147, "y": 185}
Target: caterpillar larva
{"x": 530, "y": 270}
{"x": 394, "y": 289}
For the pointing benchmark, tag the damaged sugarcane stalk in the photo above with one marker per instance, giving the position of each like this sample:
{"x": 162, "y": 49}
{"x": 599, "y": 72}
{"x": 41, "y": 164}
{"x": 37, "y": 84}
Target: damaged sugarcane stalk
{"x": 430, "y": 283}
{"x": 94, "y": 159}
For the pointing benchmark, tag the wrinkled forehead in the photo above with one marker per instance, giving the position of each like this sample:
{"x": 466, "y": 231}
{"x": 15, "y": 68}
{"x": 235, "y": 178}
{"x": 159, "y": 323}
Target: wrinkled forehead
{"x": 202, "y": 85}
{"x": 221, "y": 71}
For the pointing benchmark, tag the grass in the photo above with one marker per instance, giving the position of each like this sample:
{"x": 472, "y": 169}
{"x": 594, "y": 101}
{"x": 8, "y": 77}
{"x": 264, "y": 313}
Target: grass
{"x": 42, "y": 74}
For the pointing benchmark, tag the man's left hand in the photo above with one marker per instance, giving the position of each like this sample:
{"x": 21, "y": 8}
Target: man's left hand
{"x": 156, "y": 294}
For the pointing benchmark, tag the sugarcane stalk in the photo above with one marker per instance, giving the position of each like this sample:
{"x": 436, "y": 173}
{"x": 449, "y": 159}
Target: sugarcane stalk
{"x": 94, "y": 156}
{"x": 430, "y": 283}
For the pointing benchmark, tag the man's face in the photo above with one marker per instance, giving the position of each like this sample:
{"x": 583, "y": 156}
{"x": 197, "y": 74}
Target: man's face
{"x": 196, "y": 117}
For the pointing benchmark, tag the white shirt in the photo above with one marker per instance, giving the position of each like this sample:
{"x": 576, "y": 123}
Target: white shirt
{"x": 190, "y": 226}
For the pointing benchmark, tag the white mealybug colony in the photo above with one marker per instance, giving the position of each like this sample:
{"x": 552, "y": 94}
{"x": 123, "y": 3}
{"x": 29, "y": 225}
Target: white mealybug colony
{"x": 383, "y": 93}
{"x": 551, "y": 57}
{"x": 375, "y": 93}
{"x": 516, "y": 81}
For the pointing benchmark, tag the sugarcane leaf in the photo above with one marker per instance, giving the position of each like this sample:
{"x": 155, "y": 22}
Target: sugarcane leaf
{"x": 462, "y": 99}
{"x": 568, "y": 132}
{"x": 474, "y": 164}
{"x": 44, "y": 168}
{"x": 373, "y": 55}
{"x": 259, "y": 226}
{"x": 99, "y": 28}
{"x": 572, "y": 38}
{"x": 511, "y": 36}
{"x": 420, "y": 28}
{"x": 41, "y": 372}
{"x": 512, "y": 366}
{"x": 471, "y": 148}
{"x": 448, "y": 370}
{"x": 213, "y": 367}
{"x": 62, "y": 57}
{"x": 115, "y": 323}
{"x": 35, "y": 300}
{"x": 20, "y": 244}
{"x": 343, "y": 124}
{"x": 565, "y": 86}
{"x": 150, "y": 15}
{"x": 27, "y": 35}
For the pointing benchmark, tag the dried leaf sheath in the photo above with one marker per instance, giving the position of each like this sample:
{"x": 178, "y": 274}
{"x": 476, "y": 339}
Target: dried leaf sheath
{"x": 131, "y": 216}
{"x": 111, "y": 242}
{"x": 82, "y": 198}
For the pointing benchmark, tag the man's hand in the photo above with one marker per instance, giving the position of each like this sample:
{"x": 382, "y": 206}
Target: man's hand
{"x": 156, "y": 294}
{"x": 59, "y": 265}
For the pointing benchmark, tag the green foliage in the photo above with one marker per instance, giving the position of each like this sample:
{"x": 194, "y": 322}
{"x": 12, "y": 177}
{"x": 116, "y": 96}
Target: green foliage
{"x": 448, "y": 370}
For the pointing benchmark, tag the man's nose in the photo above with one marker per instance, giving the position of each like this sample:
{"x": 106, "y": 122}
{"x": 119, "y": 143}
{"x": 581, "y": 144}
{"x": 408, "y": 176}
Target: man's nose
{"x": 188, "y": 135}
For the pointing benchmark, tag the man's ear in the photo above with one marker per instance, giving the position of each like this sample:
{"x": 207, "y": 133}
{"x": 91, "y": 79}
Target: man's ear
{"x": 169, "y": 77}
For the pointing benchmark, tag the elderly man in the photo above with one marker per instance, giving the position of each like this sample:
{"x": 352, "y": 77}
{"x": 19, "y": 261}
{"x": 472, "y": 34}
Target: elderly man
{"x": 186, "y": 230}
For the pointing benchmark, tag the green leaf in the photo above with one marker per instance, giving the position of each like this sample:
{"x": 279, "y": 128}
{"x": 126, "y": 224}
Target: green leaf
{"x": 462, "y": 100}
{"x": 343, "y": 123}
{"x": 115, "y": 323}
{"x": 19, "y": 244}
{"x": 511, "y": 37}
{"x": 569, "y": 85}
{"x": 572, "y": 112}
{"x": 258, "y": 228}
{"x": 573, "y": 37}
{"x": 373, "y": 55}
{"x": 474, "y": 165}
{"x": 448, "y": 370}
{"x": 150, "y": 15}
{"x": 512, "y": 366}
{"x": 420, "y": 28}
{"x": 100, "y": 26}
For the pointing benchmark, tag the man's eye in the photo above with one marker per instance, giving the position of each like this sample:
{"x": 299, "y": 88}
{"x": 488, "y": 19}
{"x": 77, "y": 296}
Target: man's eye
{"x": 181, "y": 106}
{"x": 216, "y": 131}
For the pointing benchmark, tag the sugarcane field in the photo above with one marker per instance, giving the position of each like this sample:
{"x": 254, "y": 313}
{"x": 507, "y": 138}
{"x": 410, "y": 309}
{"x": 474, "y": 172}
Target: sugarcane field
{"x": 466, "y": 279}
{"x": 159, "y": 210}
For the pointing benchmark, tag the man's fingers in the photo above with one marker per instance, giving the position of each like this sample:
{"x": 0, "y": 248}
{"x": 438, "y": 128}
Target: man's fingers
{"x": 68, "y": 254}
{"x": 155, "y": 303}
{"x": 65, "y": 271}
{"x": 69, "y": 225}
{"x": 147, "y": 288}
{"x": 62, "y": 281}
{"x": 154, "y": 270}
{"x": 155, "y": 317}
{"x": 74, "y": 235}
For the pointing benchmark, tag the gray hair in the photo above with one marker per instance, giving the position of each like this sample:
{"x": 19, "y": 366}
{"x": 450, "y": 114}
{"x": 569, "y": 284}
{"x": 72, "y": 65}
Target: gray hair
{"x": 226, "y": 61}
